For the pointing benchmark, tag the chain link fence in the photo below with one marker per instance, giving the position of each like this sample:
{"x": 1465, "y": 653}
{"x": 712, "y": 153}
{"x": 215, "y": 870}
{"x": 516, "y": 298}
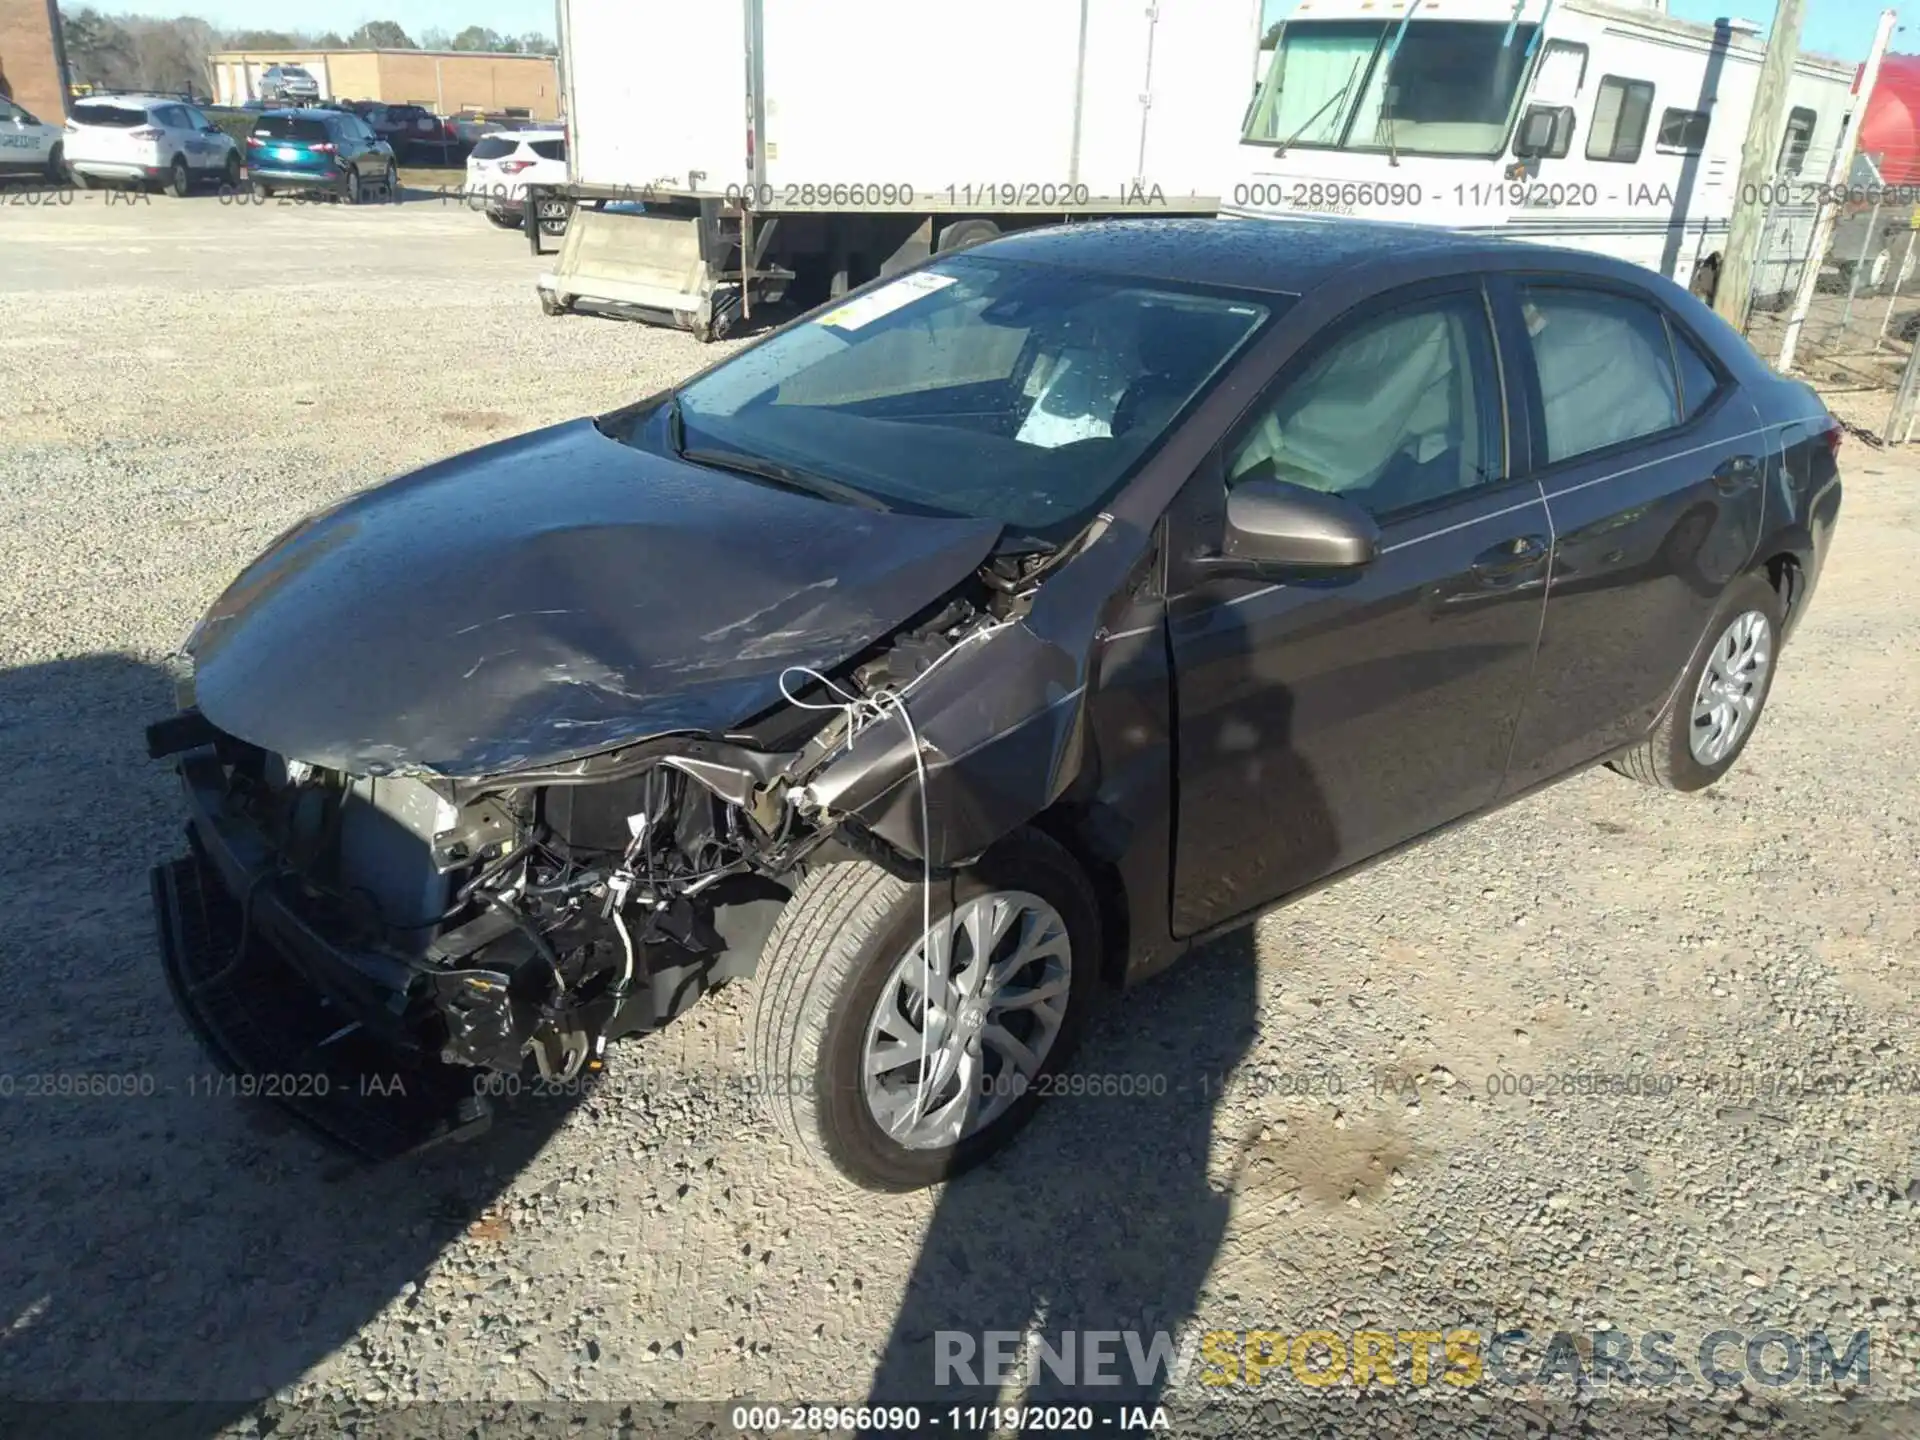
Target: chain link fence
{"x": 1857, "y": 339}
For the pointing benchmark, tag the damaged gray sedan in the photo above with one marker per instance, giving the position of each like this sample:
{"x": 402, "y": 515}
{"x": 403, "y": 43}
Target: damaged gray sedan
{"x": 957, "y": 652}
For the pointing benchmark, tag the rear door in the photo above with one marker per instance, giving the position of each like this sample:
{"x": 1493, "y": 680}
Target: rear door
{"x": 1324, "y": 720}
{"x": 1653, "y": 464}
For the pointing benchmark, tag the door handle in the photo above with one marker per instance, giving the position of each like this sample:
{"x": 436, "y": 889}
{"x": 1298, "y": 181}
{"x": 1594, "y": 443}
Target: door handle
{"x": 1503, "y": 563}
{"x": 1736, "y": 474}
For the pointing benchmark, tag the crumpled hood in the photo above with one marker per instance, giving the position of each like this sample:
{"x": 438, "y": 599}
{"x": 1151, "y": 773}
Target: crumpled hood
{"x": 549, "y": 596}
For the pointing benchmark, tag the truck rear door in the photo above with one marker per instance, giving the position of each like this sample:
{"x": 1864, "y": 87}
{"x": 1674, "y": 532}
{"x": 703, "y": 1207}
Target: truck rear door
{"x": 656, "y": 93}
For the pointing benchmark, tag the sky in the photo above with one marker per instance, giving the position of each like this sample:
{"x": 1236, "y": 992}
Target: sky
{"x": 1835, "y": 27}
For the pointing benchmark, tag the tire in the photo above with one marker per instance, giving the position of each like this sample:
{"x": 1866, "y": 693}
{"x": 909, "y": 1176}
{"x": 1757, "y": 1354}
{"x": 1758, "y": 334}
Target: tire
{"x": 354, "y": 192}
{"x": 963, "y": 234}
{"x": 1667, "y": 758}
{"x": 179, "y": 179}
{"x": 390, "y": 182}
{"x": 263, "y": 190}
{"x": 230, "y": 175}
{"x": 840, "y": 948}
{"x": 56, "y": 166}
{"x": 504, "y": 221}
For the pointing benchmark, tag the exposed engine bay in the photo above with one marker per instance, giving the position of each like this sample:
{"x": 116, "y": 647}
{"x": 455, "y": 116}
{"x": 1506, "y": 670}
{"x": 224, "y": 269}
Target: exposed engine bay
{"x": 543, "y": 912}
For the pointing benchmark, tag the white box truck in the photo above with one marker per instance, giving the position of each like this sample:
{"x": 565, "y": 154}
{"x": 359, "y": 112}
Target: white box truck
{"x": 726, "y": 154}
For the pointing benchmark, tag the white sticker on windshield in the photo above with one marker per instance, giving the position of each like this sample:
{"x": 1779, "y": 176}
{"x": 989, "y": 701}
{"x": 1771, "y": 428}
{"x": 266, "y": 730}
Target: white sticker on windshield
{"x": 887, "y": 299}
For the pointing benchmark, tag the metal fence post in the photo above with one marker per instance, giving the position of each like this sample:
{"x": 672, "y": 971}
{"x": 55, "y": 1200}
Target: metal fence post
{"x": 1903, "y": 402}
{"x": 1853, "y": 282}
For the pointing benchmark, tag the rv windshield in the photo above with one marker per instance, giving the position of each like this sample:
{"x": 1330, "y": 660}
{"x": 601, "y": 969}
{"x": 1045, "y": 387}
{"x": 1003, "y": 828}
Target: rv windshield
{"x": 1447, "y": 87}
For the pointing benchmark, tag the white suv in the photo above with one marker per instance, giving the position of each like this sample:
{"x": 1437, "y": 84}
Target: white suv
{"x": 28, "y": 147}
{"x": 504, "y": 163}
{"x": 147, "y": 140}
{"x": 288, "y": 85}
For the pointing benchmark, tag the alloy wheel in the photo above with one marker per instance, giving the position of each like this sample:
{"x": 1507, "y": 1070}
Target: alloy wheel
{"x": 1730, "y": 687}
{"x": 966, "y": 1019}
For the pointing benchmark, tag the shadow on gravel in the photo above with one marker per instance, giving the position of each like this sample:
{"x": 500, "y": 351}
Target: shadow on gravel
{"x": 1101, "y": 1217}
{"x": 165, "y": 1241}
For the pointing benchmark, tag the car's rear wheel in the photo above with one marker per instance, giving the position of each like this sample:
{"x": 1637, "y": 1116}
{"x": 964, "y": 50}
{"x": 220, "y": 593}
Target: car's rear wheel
{"x": 862, "y": 1072}
{"x": 1719, "y": 700}
{"x": 179, "y": 178}
{"x": 504, "y": 220}
{"x": 230, "y": 174}
{"x": 56, "y": 165}
{"x": 263, "y": 190}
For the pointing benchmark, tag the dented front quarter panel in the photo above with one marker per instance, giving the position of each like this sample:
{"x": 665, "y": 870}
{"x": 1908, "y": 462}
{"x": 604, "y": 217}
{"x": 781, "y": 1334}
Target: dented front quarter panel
{"x": 1003, "y": 728}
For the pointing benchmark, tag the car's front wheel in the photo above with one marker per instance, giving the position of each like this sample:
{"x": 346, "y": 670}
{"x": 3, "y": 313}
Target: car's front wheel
{"x": 354, "y": 194}
{"x": 1718, "y": 703}
{"x": 900, "y": 1063}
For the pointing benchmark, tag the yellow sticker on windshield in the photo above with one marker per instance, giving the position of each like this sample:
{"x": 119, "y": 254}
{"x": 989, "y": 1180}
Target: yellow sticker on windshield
{"x": 884, "y": 301}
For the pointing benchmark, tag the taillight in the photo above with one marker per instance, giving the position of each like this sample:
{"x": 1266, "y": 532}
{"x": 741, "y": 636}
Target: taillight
{"x": 514, "y": 167}
{"x": 325, "y": 147}
{"x": 254, "y": 142}
{"x": 1832, "y": 437}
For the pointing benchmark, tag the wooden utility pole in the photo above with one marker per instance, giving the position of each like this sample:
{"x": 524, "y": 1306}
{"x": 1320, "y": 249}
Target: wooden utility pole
{"x": 1765, "y": 130}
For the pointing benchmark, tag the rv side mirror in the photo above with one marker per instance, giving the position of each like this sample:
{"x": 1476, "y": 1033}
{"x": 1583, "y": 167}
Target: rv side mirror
{"x": 1544, "y": 130}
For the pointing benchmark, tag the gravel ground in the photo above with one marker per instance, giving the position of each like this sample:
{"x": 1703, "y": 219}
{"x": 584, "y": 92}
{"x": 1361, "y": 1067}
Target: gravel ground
{"x": 187, "y": 378}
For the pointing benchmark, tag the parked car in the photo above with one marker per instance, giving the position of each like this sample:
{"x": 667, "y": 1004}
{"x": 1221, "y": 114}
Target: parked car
{"x": 288, "y": 84}
{"x": 502, "y": 166}
{"x": 991, "y": 635}
{"x": 319, "y": 150}
{"x": 147, "y": 140}
{"x": 412, "y": 130}
{"x": 28, "y": 146}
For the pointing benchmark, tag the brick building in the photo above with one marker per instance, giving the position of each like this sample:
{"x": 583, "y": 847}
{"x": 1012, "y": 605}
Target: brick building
{"x": 32, "y": 65}
{"x": 445, "y": 81}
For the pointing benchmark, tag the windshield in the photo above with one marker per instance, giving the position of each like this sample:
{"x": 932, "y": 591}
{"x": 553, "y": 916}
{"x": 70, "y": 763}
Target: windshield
{"x": 1018, "y": 393}
{"x": 1436, "y": 87}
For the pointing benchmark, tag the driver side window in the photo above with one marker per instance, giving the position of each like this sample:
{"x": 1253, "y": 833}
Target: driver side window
{"x": 1397, "y": 413}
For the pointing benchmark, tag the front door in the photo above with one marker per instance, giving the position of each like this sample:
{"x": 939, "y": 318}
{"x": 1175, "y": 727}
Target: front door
{"x": 1321, "y": 721}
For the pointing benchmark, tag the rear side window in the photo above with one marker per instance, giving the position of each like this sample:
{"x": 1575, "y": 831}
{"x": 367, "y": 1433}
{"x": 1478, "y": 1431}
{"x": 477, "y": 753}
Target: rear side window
{"x": 118, "y": 117}
{"x": 291, "y": 127}
{"x": 1620, "y": 114}
{"x": 1698, "y": 382}
{"x": 549, "y": 149}
{"x": 492, "y": 147}
{"x": 1605, "y": 368}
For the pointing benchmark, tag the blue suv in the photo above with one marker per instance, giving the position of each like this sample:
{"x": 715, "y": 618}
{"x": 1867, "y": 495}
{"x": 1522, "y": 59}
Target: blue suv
{"x": 316, "y": 150}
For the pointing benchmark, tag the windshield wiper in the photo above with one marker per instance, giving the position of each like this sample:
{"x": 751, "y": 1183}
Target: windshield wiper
{"x": 676, "y": 427}
{"x": 1328, "y": 104}
{"x": 784, "y": 476}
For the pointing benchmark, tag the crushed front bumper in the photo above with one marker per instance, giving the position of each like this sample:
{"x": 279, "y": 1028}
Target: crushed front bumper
{"x": 327, "y": 1034}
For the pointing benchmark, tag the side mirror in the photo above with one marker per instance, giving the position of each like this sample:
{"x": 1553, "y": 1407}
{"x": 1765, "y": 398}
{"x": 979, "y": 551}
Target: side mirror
{"x": 1540, "y": 132}
{"x": 1274, "y": 528}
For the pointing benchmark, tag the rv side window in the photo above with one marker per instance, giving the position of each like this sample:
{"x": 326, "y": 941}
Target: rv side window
{"x": 1620, "y": 112}
{"x": 1793, "y": 150}
{"x": 1682, "y": 131}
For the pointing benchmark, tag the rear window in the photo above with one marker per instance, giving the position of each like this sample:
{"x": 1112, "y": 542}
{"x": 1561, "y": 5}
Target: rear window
{"x": 492, "y": 147}
{"x": 291, "y": 127}
{"x": 405, "y": 112}
{"x": 549, "y": 149}
{"x": 120, "y": 117}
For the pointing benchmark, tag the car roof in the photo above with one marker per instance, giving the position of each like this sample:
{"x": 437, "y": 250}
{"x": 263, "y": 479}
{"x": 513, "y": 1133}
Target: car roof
{"x": 1280, "y": 256}
{"x": 131, "y": 100}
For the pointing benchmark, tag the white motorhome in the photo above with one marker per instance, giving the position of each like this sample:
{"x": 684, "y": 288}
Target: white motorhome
{"x": 1601, "y": 126}
{"x": 810, "y": 145}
